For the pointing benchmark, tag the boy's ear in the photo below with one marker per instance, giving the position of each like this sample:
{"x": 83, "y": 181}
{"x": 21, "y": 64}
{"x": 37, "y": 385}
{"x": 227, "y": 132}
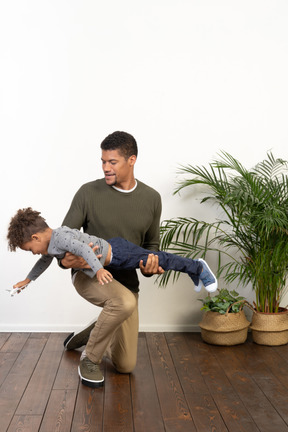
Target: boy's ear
{"x": 35, "y": 237}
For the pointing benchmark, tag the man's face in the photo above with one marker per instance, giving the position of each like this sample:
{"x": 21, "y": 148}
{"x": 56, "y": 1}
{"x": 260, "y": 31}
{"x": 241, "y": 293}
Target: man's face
{"x": 118, "y": 171}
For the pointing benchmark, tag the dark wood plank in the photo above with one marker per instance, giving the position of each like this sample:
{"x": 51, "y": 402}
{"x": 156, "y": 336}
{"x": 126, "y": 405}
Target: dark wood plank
{"x": 259, "y": 363}
{"x": 59, "y": 412}
{"x": 282, "y": 350}
{"x": 25, "y": 424}
{"x": 234, "y": 413}
{"x": 202, "y": 406}
{"x": 273, "y": 361}
{"x": 146, "y": 409}
{"x": 89, "y": 408}
{"x": 186, "y": 365}
{"x": 205, "y": 413}
{"x": 38, "y": 390}
{"x": 219, "y": 384}
{"x": 67, "y": 375}
{"x": 173, "y": 404}
{"x": 245, "y": 387}
{"x": 211, "y": 371}
{"x": 13, "y": 387}
{"x": 6, "y": 363}
{"x": 117, "y": 415}
{"x": 3, "y": 338}
{"x": 271, "y": 374}
{"x": 15, "y": 342}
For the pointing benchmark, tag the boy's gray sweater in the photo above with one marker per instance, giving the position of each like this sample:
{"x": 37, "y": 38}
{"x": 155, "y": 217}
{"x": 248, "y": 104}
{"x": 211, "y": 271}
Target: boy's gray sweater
{"x": 64, "y": 240}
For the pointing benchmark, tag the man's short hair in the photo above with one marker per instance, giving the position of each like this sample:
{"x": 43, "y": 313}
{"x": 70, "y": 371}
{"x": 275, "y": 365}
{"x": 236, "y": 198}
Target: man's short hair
{"x": 121, "y": 141}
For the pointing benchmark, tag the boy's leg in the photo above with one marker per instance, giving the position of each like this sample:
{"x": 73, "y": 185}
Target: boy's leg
{"x": 198, "y": 270}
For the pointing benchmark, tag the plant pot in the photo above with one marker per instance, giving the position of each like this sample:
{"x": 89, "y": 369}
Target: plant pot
{"x": 270, "y": 328}
{"x": 227, "y": 329}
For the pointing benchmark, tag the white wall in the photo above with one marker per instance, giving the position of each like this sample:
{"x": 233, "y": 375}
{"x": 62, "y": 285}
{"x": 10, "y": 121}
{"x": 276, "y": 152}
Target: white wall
{"x": 187, "y": 78}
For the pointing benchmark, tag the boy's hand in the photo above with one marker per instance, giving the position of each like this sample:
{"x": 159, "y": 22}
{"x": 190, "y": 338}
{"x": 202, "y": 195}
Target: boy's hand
{"x": 103, "y": 276}
{"x": 152, "y": 266}
{"x": 73, "y": 261}
{"x": 21, "y": 285}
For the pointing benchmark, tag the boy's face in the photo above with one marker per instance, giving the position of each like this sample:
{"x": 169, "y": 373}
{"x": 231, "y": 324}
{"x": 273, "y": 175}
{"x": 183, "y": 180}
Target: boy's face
{"x": 36, "y": 245}
{"x": 118, "y": 171}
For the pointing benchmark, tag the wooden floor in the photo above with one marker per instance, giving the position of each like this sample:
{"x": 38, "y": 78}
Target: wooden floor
{"x": 179, "y": 384}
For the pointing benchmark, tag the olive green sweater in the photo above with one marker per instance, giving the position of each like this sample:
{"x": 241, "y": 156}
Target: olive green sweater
{"x": 106, "y": 212}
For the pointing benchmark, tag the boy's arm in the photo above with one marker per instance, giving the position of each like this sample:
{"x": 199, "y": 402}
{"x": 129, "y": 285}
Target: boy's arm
{"x": 75, "y": 218}
{"x": 41, "y": 265}
{"x": 84, "y": 250}
{"x": 75, "y": 261}
{"x": 80, "y": 249}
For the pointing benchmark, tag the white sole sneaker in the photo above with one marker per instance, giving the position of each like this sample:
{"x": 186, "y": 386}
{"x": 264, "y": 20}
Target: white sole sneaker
{"x": 77, "y": 340}
{"x": 214, "y": 285}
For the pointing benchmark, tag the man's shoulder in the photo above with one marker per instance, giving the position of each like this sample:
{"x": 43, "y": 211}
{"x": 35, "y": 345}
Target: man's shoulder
{"x": 143, "y": 187}
{"x": 94, "y": 184}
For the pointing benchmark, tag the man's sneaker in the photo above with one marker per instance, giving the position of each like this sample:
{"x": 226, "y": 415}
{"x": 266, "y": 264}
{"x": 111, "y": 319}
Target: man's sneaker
{"x": 207, "y": 277}
{"x": 77, "y": 340}
{"x": 197, "y": 283}
{"x": 90, "y": 373}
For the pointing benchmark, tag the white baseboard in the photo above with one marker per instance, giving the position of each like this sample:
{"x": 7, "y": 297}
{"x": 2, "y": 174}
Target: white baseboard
{"x": 169, "y": 328}
{"x": 16, "y": 328}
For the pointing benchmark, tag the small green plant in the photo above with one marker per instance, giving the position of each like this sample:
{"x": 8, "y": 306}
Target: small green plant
{"x": 223, "y": 301}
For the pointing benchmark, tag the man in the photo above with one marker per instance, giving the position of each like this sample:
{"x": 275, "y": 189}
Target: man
{"x": 117, "y": 205}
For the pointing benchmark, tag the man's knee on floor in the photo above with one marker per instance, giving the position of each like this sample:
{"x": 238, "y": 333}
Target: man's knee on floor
{"x": 126, "y": 366}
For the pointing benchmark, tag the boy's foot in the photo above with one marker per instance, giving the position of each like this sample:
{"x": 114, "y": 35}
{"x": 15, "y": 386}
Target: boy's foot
{"x": 207, "y": 277}
{"x": 90, "y": 373}
{"x": 197, "y": 283}
{"x": 77, "y": 340}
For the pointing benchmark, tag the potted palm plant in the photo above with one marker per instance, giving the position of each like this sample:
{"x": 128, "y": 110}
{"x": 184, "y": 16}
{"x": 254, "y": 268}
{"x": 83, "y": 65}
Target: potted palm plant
{"x": 250, "y": 236}
{"x": 224, "y": 321}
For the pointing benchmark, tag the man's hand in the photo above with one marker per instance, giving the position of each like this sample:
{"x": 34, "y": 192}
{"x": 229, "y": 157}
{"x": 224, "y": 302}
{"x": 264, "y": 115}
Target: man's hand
{"x": 152, "y": 266}
{"x": 74, "y": 261}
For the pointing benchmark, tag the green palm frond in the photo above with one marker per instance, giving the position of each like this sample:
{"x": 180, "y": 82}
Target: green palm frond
{"x": 252, "y": 234}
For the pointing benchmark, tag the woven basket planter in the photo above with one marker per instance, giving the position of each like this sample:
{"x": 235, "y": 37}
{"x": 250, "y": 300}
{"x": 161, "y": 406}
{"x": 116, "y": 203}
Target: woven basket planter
{"x": 270, "y": 328}
{"x": 227, "y": 329}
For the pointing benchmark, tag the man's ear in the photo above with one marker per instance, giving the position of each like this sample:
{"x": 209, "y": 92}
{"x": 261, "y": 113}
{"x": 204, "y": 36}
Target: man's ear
{"x": 132, "y": 160}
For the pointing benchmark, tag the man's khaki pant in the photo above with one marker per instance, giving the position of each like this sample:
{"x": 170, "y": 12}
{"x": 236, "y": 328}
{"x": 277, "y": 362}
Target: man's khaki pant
{"x": 116, "y": 330}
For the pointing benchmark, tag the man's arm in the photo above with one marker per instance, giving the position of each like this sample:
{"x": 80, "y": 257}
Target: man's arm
{"x": 152, "y": 240}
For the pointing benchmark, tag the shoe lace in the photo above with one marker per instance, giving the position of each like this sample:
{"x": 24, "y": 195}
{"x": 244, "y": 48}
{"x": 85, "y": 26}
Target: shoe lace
{"x": 90, "y": 365}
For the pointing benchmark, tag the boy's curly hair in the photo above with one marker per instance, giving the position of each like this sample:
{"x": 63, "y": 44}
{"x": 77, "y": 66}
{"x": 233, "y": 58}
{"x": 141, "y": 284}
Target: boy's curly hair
{"x": 23, "y": 225}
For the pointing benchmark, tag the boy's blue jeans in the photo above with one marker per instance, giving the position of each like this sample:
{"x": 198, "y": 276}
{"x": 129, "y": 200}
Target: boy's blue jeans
{"x": 126, "y": 255}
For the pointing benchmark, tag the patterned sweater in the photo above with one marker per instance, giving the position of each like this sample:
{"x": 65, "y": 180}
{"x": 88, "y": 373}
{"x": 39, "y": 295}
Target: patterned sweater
{"x": 64, "y": 240}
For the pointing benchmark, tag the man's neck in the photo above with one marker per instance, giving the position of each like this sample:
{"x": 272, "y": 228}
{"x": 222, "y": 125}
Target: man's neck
{"x": 125, "y": 190}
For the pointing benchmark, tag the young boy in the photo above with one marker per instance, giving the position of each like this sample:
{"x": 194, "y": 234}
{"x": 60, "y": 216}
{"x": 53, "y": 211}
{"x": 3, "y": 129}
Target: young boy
{"x": 30, "y": 232}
